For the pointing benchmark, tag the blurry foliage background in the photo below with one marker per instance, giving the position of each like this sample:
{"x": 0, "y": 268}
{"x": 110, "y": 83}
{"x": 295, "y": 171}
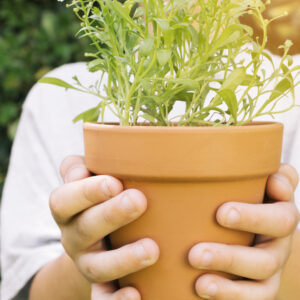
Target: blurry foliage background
{"x": 35, "y": 37}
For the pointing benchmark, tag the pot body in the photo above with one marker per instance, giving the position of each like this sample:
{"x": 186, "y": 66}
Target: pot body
{"x": 186, "y": 173}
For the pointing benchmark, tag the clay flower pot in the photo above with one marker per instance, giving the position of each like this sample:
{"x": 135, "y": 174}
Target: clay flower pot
{"x": 186, "y": 173}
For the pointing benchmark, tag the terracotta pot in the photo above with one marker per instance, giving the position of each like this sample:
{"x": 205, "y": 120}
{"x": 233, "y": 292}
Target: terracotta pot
{"x": 186, "y": 173}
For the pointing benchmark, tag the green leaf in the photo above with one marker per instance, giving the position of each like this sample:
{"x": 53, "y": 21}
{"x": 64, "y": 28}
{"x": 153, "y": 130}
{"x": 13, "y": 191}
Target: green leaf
{"x": 163, "y": 56}
{"x": 147, "y": 46}
{"x": 90, "y": 115}
{"x": 250, "y": 79}
{"x": 149, "y": 118}
{"x": 57, "y": 82}
{"x": 122, "y": 11}
{"x": 229, "y": 35}
{"x": 288, "y": 74}
{"x": 185, "y": 82}
{"x": 150, "y": 99}
{"x": 283, "y": 86}
{"x": 230, "y": 99}
{"x": 247, "y": 80}
{"x": 95, "y": 65}
{"x": 290, "y": 60}
{"x": 235, "y": 78}
{"x": 194, "y": 34}
{"x": 163, "y": 24}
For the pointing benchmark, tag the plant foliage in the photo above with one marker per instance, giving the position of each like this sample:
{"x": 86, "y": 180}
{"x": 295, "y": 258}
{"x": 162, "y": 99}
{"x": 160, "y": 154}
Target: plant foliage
{"x": 156, "y": 53}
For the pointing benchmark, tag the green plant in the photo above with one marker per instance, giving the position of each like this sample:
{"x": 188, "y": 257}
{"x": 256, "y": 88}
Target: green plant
{"x": 157, "y": 52}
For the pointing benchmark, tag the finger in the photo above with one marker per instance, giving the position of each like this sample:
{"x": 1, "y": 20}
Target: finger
{"x": 127, "y": 293}
{"x": 282, "y": 184}
{"x": 98, "y": 290}
{"x": 72, "y": 198}
{"x": 73, "y": 168}
{"x": 279, "y": 188}
{"x": 97, "y": 222}
{"x": 216, "y": 287}
{"x": 257, "y": 263}
{"x": 275, "y": 220}
{"x": 290, "y": 173}
{"x": 110, "y": 265}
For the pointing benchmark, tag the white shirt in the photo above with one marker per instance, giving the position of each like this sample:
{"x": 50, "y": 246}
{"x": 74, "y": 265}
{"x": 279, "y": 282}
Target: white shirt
{"x": 46, "y": 135}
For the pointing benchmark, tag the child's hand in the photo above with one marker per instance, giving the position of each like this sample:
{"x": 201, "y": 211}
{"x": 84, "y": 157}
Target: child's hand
{"x": 89, "y": 208}
{"x": 261, "y": 265}
{"x": 84, "y": 220}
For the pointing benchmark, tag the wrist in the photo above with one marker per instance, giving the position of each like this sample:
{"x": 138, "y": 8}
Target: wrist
{"x": 59, "y": 279}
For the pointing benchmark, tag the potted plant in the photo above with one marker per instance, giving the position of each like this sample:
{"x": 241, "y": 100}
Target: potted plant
{"x": 152, "y": 55}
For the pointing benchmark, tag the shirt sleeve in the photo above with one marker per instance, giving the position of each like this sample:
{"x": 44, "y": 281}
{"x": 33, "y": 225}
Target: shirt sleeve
{"x": 30, "y": 237}
{"x": 46, "y": 135}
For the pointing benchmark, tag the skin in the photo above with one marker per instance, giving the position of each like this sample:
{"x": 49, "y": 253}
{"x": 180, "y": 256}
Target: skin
{"x": 88, "y": 208}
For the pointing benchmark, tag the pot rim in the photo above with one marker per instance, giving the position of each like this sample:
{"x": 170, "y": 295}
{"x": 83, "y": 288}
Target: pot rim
{"x": 206, "y": 153}
{"x": 257, "y": 125}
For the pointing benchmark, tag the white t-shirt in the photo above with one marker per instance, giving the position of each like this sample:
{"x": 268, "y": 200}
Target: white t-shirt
{"x": 46, "y": 135}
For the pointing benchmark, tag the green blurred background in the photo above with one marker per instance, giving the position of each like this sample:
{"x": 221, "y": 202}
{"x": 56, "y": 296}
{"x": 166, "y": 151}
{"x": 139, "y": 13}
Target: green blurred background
{"x": 35, "y": 37}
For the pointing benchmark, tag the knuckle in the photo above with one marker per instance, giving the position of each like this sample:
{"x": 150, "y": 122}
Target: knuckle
{"x": 229, "y": 261}
{"x": 95, "y": 189}
{"x": 92, "y": 273}
{"x": 81, "y": 229}
{"x": 110, "y": 215}
{"x": 89, "y": 189}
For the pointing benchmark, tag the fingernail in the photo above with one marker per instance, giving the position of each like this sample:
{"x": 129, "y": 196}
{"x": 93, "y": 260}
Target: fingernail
{"x": 232, "y": 217}
{"x": 206, "y": 258}
{"x": 108, "y": 187}
{"x": 283, "y": 180}
{"x": 75, "y": 174}
{"x": 211, "y": 291}
{"x": 127, "y": 204}
{"x": 142, "y": 254}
